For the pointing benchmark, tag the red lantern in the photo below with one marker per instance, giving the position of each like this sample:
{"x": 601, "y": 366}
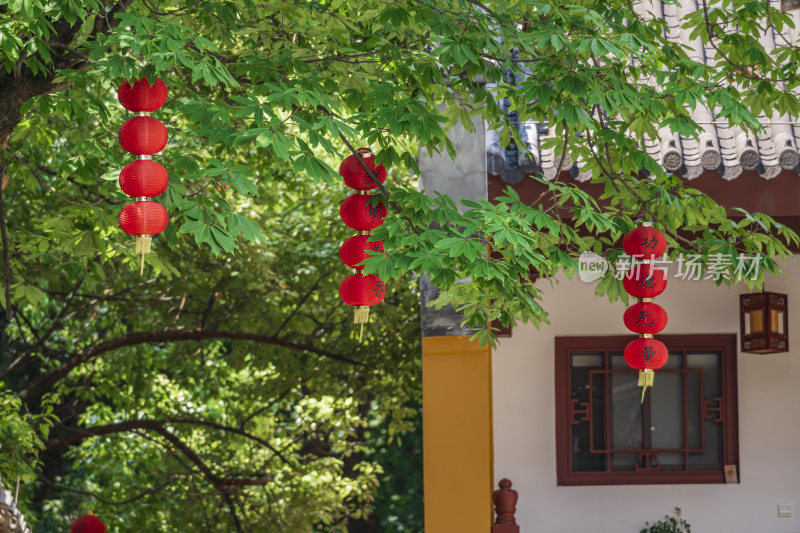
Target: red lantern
{"x": 143, "y": 177}
{"x": 143, "y": 218}
{"x": 644, "y": 281}
{"x": 646, "y": 354}
{"x": 644, "y": 241}
{"x": 354, "y": 250}
{"x": 354, "y": 174}
{"x": 645, "y": 317}
{"x": 358, "y": 213}
{"x": 143, "y": 136}
{"x": 142, "y": 96}
{"x": 362, "y": 291}
{"x": 88, "y": 524}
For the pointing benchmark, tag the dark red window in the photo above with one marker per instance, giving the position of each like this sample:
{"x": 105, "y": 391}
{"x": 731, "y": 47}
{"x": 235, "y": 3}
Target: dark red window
{"x": 686, "y": 431}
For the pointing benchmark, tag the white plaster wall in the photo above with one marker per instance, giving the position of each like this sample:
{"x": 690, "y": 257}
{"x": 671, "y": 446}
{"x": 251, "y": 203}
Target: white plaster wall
{"x": 769, "y": 419}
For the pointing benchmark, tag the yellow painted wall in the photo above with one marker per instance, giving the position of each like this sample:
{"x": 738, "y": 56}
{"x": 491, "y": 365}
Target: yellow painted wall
{"x": 457, "y": 435}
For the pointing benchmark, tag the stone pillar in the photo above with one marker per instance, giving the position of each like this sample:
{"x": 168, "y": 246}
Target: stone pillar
{"x": 456, "y": 372}
{"x": 464, "y": 178}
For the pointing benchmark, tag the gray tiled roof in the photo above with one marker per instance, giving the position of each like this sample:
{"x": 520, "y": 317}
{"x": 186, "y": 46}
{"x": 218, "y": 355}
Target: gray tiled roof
{"x": 729, "y": 151}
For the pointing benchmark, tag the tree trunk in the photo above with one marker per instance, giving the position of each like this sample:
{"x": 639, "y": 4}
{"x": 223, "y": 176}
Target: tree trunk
{"x": 20, "y": 85}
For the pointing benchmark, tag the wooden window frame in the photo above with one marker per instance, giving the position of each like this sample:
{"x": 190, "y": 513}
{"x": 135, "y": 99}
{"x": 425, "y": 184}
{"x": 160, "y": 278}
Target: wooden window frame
{"x": 728, "y": 410}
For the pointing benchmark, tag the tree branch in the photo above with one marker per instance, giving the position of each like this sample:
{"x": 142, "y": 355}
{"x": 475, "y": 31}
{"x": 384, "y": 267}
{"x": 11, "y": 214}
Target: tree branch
{"x": 43, "y": 384}
{"x": 222, "y": 484}
{"x": 158, "y": 426}
{"x": 299, "y": 305}
{"x": 99, "y": 498}
{"x": 40, "y": 341}
{"x": 229, "y": 429}
{"x": 47, "y": 186}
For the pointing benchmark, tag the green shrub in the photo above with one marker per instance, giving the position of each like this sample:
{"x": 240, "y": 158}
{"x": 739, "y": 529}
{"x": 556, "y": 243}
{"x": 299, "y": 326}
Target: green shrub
{"x": 670, "y": 524}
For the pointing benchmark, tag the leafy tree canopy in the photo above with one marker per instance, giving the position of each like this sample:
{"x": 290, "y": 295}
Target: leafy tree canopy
{"x": 234, "y": 331}
{"x": 291, "y": 82}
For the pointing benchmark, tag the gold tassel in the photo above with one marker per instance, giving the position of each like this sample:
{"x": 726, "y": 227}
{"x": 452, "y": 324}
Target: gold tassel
{"x": 143, "y": 246}
{"x": 361, "y": 316}
{"x": 646, "y": 378}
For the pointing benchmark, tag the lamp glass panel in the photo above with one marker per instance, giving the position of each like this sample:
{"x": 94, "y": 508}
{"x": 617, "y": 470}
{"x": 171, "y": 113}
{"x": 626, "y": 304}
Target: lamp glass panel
{"x": 755, "y": 322}
{"x": 776, "y": 321}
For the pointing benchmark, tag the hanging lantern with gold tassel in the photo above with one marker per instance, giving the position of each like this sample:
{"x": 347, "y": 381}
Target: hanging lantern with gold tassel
{"x": 361, "y": 213}
{"x": 143, "y": 179}
{"x": 645, "y": 282}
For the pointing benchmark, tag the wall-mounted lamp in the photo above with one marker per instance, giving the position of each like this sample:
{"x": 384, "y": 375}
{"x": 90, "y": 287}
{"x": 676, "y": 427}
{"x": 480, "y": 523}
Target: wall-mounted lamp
{"x": 764, "y": 322}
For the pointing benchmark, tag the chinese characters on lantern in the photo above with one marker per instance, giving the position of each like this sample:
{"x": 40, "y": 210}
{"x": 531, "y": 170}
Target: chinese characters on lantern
{"x": 645, "y": 281}
{"x": 361, "y": 213}
{"x": 143, "y": 179}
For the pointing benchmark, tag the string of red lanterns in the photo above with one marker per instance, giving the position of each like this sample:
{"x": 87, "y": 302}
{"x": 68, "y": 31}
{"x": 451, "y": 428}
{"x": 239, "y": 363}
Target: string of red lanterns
{"x": 88, "y": 524}
{"x": 361, "y": 214}
{"x": 645, "y": 282}
{"x": 143, "y": 179}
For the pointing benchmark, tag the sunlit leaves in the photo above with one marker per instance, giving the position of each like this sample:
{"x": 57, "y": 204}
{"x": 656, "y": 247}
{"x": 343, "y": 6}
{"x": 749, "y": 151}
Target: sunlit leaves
{"x": 260, "y": 98}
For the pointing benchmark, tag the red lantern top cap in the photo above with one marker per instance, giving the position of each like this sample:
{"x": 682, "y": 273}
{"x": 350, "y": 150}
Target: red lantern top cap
{"x": 142, "y": 96}
{"x": 354, "y": 174}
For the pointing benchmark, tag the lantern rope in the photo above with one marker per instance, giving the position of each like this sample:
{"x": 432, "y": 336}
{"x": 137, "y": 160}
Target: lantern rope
{"x": 646, "y": 376}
